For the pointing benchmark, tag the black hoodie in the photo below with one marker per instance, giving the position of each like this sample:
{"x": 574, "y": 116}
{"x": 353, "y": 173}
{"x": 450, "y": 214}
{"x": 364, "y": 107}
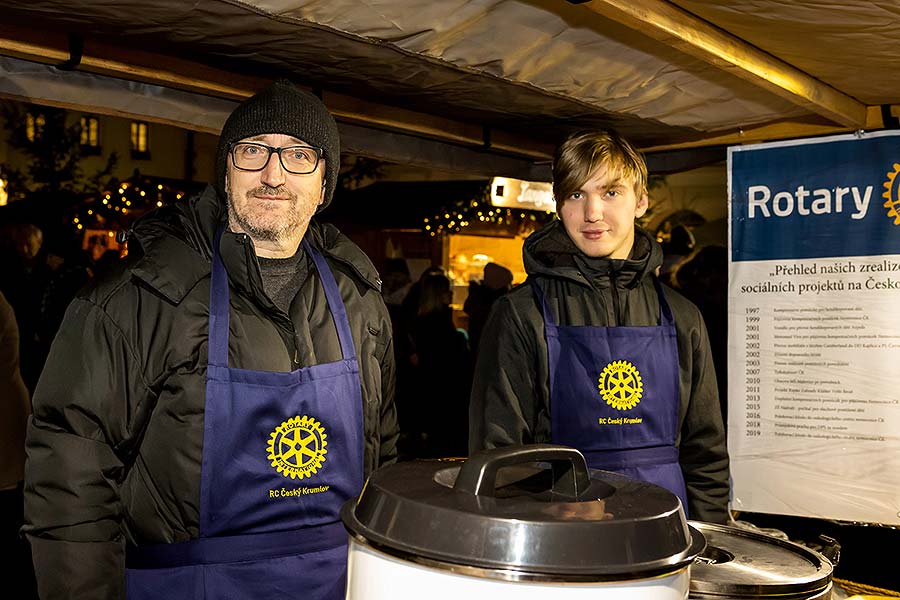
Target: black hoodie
{"x": 510, "y": 401}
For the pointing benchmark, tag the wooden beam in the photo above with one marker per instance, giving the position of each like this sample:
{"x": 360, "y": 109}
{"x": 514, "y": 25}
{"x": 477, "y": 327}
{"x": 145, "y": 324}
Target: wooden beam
{"x": 680, "y": 29}
{"x": 51, "y": 48}
{"x": 785, "y": 130}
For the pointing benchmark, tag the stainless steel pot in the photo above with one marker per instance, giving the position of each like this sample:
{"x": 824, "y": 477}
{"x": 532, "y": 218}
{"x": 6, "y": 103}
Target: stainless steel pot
{"x": 520, "y": 522}
{"x": 739, "y": 564}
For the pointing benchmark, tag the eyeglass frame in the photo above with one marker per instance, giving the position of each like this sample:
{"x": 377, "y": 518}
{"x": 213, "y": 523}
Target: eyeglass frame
{"x": 273, "y": 150}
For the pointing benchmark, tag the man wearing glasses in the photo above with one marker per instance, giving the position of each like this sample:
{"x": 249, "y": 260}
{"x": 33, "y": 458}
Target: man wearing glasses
{"x": 207, "y": 409}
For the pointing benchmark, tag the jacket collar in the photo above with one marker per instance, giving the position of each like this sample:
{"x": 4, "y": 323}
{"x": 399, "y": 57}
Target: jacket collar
{"x": 173, "y": 238}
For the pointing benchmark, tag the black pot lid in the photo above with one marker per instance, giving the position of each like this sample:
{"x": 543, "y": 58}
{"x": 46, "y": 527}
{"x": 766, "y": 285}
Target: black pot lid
{"x": 532, "y": 509}
{"x": 738, "y": 563}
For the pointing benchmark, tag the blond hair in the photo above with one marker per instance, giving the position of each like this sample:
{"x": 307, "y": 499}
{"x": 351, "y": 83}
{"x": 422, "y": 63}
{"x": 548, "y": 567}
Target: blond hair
{"x": 578, "y": 158}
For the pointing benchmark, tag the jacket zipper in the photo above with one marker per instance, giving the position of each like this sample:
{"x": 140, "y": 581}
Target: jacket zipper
{"x": 614, "y": 290}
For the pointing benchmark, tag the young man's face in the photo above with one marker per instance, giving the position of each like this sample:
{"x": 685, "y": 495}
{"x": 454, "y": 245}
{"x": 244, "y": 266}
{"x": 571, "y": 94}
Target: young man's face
{"x": 599, "y": 216}
{"x": 273, "y": 204}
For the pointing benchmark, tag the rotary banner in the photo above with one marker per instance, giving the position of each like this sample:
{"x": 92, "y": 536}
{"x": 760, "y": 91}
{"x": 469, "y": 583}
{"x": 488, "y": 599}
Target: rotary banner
{"x": 814, "y": 330}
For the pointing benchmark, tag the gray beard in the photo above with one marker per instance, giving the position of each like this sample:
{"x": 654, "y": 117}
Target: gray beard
{"x": 258, "y": 233}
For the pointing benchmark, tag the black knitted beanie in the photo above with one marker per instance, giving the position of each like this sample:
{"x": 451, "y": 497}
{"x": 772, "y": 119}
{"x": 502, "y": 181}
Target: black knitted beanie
{"x": 282, "y": 108}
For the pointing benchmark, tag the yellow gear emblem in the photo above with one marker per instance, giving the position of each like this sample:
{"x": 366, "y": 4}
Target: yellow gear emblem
{"x": 297, "y": 447}
{"x": 620, "y": 385}
{"x": 892, "y": 195}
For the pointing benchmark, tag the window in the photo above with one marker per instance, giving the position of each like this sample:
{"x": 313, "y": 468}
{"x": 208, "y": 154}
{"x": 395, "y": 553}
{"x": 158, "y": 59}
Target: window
{"x": 34, "y": 126}
{"x": 140, "y": 140}
{"x": 90, "y": 135}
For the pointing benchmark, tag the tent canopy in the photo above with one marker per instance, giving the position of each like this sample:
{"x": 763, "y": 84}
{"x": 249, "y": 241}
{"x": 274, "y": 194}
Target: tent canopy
{"x": 483, "y": 85}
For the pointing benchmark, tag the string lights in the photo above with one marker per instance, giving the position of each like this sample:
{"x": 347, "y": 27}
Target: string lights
{"x": 120, "y": 204}
{"x": 480, "y": 216}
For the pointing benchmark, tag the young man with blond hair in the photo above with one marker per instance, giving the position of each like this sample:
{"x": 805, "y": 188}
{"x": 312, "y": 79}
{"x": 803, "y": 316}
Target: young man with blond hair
{"x": 593, "y": 351}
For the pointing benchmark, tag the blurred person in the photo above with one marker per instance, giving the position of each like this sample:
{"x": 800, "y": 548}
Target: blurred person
{"x": 496, "y": 282}
{"x": 395, "y": 281}
{"x": 442, "y": 368}
{"x": 15, "y": 407}
{"x": 24, "y": 273}
{"x": 212, "y": 401}
{"x": 675, "y": 249}
{"x": 703, "y": 279}
{"x": 594, "y": 352}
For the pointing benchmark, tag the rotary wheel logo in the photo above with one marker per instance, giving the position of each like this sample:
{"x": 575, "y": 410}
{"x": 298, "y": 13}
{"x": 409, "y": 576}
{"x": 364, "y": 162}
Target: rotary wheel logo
{"x": 620, "y": 385}
{"x": 892, "y": 195}
{"x": 297, "y": 447}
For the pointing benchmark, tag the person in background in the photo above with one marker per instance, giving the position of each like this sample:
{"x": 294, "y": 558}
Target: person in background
{"x": 496, "y": 282}
{"x": 24, "y": 274}
{"x": 675, "y": 250}
{"x": 211, "y": 402}
{"x": 15, "y": 407}
{"x": 703, "y": 278}
{"x": 594, "y": 352}
{"x": 442, "y": 373}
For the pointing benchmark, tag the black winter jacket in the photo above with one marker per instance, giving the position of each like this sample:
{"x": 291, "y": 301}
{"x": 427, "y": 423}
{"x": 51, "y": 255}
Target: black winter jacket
{"x": 510, "y": 402}
{"x": 115, "y": 444}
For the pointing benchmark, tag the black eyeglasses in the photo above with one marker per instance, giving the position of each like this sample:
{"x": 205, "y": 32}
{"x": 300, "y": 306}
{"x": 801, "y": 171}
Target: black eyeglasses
{"x": 253, "y": 156}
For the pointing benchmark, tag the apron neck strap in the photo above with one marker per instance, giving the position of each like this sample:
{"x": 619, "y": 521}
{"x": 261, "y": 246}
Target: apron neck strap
{"x": 220, "y": 307}
{"x": 665, "y": 312}
{"x": 335, "y": 303}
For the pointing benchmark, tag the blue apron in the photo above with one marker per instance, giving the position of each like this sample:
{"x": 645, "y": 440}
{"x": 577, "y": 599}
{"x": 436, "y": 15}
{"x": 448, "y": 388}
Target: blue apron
{"x": 615, "y": 395}
{"x": 281, "y": 454}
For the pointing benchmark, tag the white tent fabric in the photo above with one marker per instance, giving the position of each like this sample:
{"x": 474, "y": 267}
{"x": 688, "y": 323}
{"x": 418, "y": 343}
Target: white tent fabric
{"x": 537, "y": 67}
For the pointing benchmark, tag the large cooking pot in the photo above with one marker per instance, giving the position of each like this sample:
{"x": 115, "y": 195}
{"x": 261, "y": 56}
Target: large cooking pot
{"x": 738, "y": 564}
{"x": 520, "y": 522}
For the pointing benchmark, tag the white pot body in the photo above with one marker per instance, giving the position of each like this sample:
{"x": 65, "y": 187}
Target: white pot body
{"x": 374, "y": 575}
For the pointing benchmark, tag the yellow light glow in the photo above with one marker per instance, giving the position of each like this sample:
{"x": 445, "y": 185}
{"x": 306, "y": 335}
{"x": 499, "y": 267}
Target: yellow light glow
{"x": 159, "y": 203}
{"x": 110, "y": 234}
{"x": 4, "y": 195}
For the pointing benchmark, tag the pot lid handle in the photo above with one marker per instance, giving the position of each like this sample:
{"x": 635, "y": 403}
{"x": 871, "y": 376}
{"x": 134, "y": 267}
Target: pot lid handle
{"x": 478, "y": 475}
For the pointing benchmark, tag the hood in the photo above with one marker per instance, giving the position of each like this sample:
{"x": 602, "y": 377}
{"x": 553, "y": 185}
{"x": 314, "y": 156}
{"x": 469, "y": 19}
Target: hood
{"x": 549, "y": 252}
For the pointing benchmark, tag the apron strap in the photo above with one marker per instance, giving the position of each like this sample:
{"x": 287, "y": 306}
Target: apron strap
{"x": 217, "y": 550}
{"x": 549, "y": 320}
{"x": 219, "y": 307}
{"x": 335, "y": 303}
{"x": 665, "y": 312}
{"x": 666, "y": 318}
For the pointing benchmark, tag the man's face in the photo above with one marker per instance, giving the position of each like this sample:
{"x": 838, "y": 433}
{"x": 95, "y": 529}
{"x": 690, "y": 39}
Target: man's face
{"x": 272, "y": 204}
{"x": 599, "y": 216}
